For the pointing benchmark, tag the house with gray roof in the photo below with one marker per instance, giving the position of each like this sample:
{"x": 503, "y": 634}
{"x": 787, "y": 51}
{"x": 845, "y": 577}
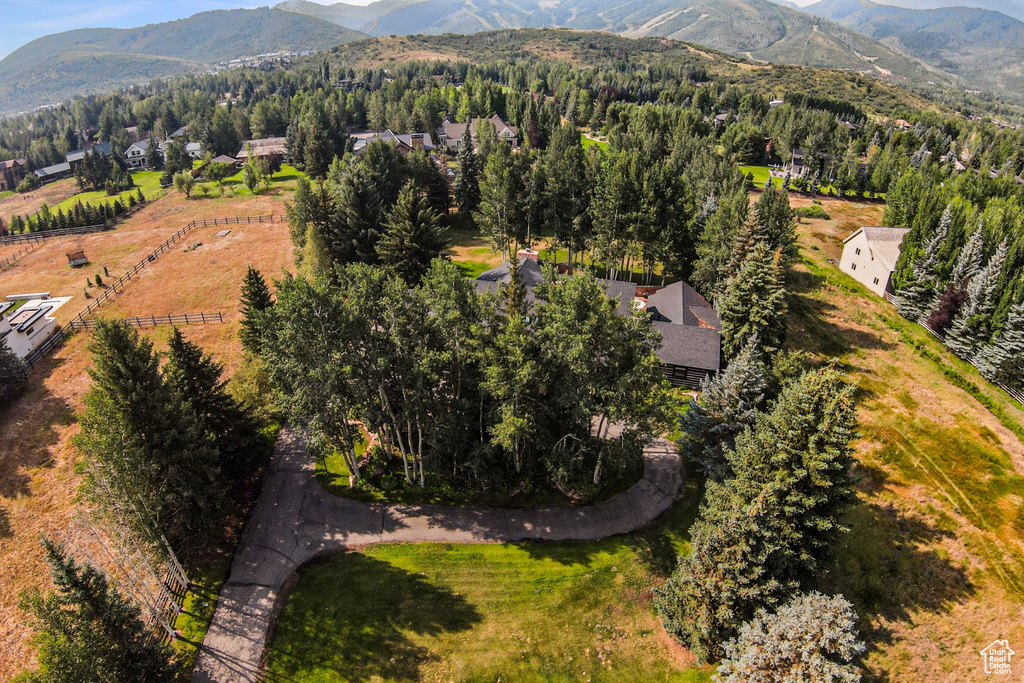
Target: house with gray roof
{"x": 691, "y": 345}
{"x": 870, "y": 256}
{"x": 450, "y": 133}
{"x": 406, "y": 143}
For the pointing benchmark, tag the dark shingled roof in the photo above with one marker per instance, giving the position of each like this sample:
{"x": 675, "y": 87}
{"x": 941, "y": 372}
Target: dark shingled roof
{"x": 691, "y": 347}
{"x": 529, "y": 272}
{"x": 681, "y": 304}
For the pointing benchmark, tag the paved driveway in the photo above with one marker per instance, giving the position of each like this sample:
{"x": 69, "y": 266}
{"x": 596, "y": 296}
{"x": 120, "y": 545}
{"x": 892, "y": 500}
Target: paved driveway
{"x": 295, "y": 520}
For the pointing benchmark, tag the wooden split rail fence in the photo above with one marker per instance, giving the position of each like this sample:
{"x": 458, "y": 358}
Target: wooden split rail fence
{"x": 82, "y": 322}
{"x": 42, "y": 235}
{"x": 12, "y": 260}
{"x": 141, "y": 321}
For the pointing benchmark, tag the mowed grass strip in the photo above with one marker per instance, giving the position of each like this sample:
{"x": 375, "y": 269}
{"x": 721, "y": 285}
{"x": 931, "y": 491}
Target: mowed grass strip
{"x": 468, "y": 613}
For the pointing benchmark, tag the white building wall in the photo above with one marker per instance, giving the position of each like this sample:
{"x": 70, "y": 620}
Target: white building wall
{"x": 858, "y": 262}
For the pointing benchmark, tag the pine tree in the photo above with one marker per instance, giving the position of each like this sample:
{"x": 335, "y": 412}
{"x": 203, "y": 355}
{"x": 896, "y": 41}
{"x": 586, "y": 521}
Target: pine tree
{"x": 467, "y": 176}
{"x": 1002, "y": 360}
{"x": 140, "y": 439}
{"x": 754, "y": 303}
{"x": 776, "y": 218}
{"x": 13, "y": 376}
{"x": 727, "y": 405}
{"x": 88, "y": 632}
{"x": 813, "y": 637}
{"x": 199, "y": 380}
{"x": 764, "y": 532}
{"x": 916, "y": 299}
{"x": 256, "y": 300}
{"x": 972, "y": 326}
{"x": 318, "y": 151}
{"x": 970, "y": 258}
{"x": 359, "y": 220}
{"x": 414, "y": 237}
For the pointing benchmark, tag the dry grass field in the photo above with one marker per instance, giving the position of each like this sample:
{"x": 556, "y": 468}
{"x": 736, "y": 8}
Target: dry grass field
{"x": 934, "y": 560}
{"x": 37, "y": 479}
{"x": 29, "y": 202}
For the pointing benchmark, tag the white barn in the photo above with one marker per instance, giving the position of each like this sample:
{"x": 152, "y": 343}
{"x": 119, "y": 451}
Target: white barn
{"x": 870, "y": 256}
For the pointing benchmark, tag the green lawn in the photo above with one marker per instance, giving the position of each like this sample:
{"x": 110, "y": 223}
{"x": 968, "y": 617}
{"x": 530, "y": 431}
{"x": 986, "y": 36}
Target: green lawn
{"x": 148, "y": 181}
{"x": 286, "y": 178}
{"x": 587, "y": 142}
{"x": 6, "y": 193}
{"x": 514, "y": 613}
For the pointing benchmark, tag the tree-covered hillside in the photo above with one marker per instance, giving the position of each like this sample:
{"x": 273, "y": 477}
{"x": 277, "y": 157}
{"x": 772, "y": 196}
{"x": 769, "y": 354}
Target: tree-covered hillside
{"x": 95, "y": 60}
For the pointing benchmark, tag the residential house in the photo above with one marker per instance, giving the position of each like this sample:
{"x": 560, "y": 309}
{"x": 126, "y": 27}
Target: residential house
{"x": 56, "y": 172}
{"x": 12, "y": 172}
{"x": 405, "y": 143}
{"x": 74, "y": 158}
{"x": 135, "y": 155}
{"x": 450, "y": 133}
{"x": 26, "y": 321}
{"x": 691, "y": 345}
{"x": 870, "y": 256}
{"x": 264, "y": 148}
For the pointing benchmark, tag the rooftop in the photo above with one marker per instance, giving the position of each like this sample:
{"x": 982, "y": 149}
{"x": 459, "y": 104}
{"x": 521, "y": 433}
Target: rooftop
{"x": 884, "y": 243}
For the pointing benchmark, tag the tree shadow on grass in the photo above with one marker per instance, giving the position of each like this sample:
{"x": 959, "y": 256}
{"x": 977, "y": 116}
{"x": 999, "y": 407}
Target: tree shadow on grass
{"x": 29, "y": 428}
{"x": 889, "y": 568}
{"x": 354, "y": 616}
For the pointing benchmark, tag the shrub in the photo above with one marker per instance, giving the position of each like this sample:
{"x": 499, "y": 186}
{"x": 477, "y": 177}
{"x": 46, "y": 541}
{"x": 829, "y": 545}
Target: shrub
{"x": 812, "y": 212}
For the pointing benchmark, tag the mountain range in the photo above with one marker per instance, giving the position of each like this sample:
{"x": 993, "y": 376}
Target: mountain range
{"x": 949, "y": 46}
{"x": 983, "y": 47}
{"x": 756, "y": 29}
{"x": 85, "y": 61}
{"x": 972, "y": 47}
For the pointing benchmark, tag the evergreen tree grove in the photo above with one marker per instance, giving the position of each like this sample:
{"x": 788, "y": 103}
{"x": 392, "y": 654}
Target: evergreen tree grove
{"x": 88, "y": 632}
{"x": 765, "y": 532}
{"x": 198, "y": 378}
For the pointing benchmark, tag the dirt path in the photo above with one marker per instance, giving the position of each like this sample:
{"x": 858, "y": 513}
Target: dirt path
{"x": 295, "y": 520}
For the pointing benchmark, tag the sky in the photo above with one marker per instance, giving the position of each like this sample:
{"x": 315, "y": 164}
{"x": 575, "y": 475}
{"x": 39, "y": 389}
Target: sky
{"x": 22, "y": 21}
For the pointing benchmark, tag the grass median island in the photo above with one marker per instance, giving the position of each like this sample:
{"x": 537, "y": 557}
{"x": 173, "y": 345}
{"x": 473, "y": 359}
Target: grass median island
{"x": 389, "y": 486}
{"x": 516, "y": 612}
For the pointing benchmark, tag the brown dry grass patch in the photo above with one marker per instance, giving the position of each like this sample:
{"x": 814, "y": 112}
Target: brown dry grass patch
{"x": 933, "y": 561}
{"x": 29, "y": 202}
